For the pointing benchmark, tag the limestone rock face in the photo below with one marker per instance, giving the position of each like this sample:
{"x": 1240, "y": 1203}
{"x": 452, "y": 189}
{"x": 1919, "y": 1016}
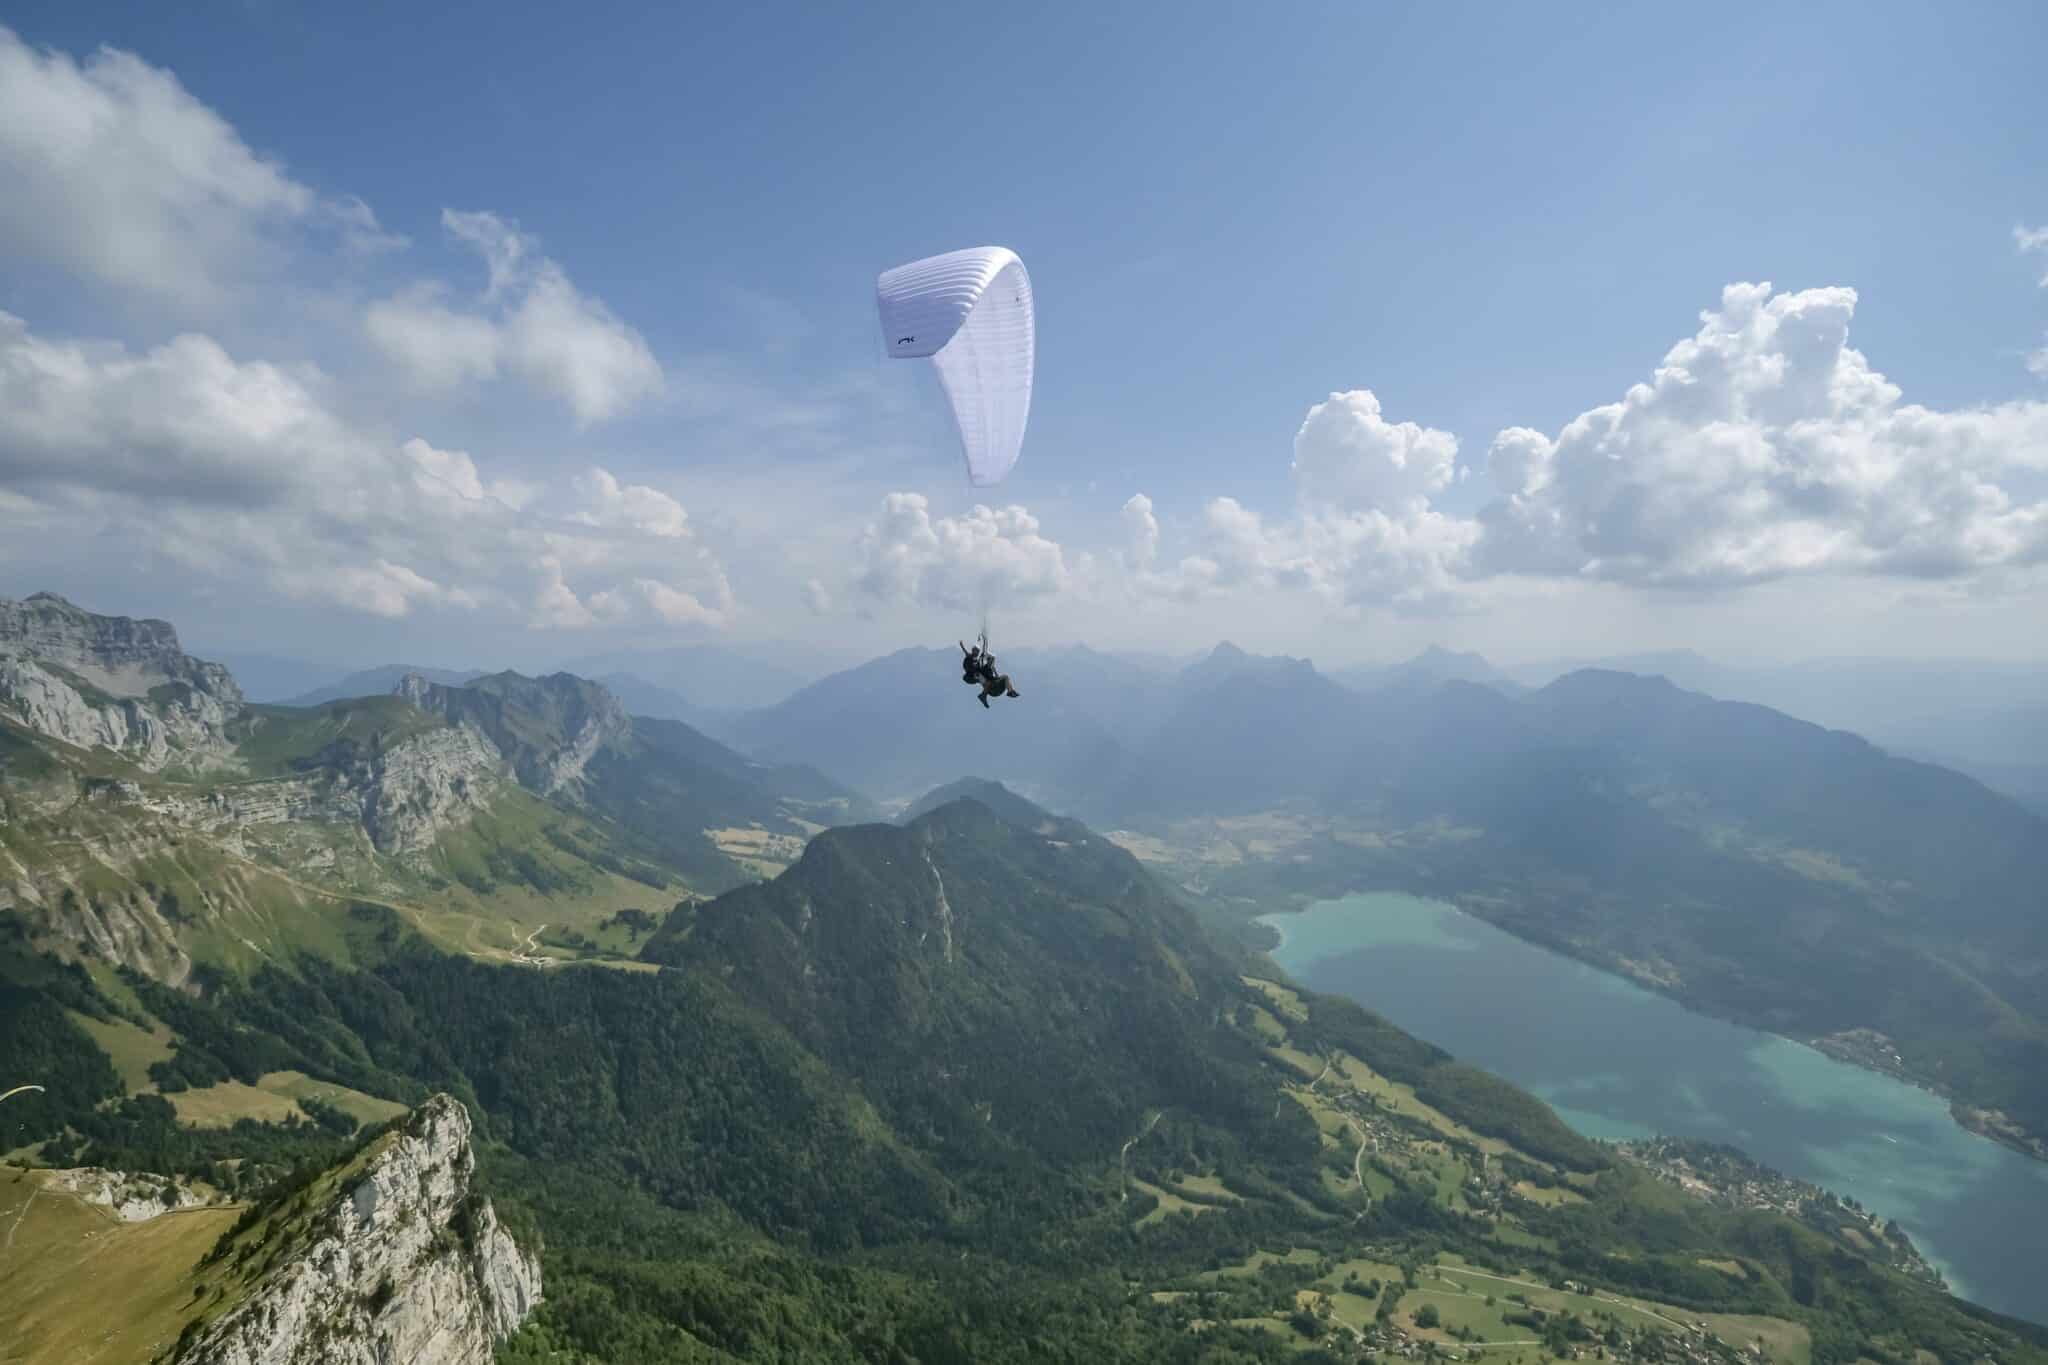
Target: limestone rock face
{"x": 409, "y": 794}
{"x": 113, "y": 682}
{"x": 548, "y": 729}
{"x": 401, "y": 1267}
{"x": 146, "y": 801}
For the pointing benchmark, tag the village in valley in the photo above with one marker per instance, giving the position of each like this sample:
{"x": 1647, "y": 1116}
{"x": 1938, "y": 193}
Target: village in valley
{"x": 1369, "y": 1302}
{"x": 1725, "y": 1176}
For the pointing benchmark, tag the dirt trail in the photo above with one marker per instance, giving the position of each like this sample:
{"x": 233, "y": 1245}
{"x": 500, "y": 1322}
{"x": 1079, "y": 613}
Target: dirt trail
{"x": 35, "y": 1187}
{"x": 1123, "y": 1158}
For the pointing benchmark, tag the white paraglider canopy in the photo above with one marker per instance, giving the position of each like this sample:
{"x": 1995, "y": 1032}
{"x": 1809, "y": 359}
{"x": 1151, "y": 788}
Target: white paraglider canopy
{"x": 970, "y": 313}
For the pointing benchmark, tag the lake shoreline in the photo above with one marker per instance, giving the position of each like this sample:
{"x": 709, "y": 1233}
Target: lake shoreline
{"x": 1620, "y": 1060}
{"x": 1989, "y": 1124}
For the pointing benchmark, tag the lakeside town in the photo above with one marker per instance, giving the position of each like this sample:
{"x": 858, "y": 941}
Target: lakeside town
{"x": 1727, "y": 1177}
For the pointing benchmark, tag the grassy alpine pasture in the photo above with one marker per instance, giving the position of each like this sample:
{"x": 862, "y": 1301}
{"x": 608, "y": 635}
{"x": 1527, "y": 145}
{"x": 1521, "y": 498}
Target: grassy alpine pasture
{"x": 130, "y": 1047}
{"x": 273, "y": 1099}
{"x": 80, "y": 1287}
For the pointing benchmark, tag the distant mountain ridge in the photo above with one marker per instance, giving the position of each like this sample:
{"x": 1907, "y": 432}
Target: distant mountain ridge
{"x": 381, "y": 681}
{"x": 1435, "y": 665}
{"x": 902, "y": 724}
{"x": 896, "y": 726}
{"x": 1758, "y": 866}
{"x": 1006, "y": 804}
{"x": 715, "y": 677}
{"x": 155, "y": 818}
{"x": 1987, "y": 718}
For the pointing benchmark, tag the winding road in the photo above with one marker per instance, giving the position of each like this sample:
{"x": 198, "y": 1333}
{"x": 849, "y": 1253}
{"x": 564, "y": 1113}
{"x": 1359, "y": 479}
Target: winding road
{"x": 529, "y": 956}
{"x": 1358, "y": 1162}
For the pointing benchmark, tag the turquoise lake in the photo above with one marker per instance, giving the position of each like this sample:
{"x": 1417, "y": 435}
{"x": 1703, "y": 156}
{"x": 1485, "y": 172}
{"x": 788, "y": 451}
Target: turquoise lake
{"x": 1617, "y": 1061}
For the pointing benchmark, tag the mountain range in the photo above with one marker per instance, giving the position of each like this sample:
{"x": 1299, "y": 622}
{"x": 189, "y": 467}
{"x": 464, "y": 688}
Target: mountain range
{"x": 379, "y": 682}
{"x": 1758, "y": 867}
{"x": 1984, "y": 719}
{"x": 715, "y": 677}
{"x": 761, "y": 1077}
{"x": 154, "y": 814}
{"x": 1980, "y": 717}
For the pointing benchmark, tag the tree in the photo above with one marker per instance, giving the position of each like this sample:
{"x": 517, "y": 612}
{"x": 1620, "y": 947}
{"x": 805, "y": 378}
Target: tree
{"x": 1428, "y": 1317}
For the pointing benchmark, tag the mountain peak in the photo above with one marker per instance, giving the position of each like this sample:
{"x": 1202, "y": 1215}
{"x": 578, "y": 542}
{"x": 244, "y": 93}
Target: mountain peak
{"x": 994, "y": 795}
{"x": 1585, "y": 683}
{"x": 902, "y": 951}
{"x": 381, "y": 681}
{"x": 62, "y": 632}
{"x": 112, "y": 682}
{"x": 1227, "y": 661}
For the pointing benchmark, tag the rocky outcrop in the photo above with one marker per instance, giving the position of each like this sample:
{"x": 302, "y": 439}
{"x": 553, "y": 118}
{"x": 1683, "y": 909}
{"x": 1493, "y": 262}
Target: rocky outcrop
{"x": 112, "y": 682}
{"x": 548, "y": 728}
{"x": 115, "y": 869}
{"x": 399, "y": 1264}
{"x": 404, "y": 797}
{"x": 127, "y": 928}
{"x": 430, "y": 783}
{"x": 131, "y": 1198}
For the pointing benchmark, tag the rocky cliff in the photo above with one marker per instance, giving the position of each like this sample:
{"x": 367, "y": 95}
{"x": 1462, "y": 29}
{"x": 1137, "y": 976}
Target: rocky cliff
{"x": 113, "y": 868}
{"x": 112, "y": 682}
{"x": 547, "y": 728}
{"x": 149, "y": 816}
{"x": 390, "y": 1261}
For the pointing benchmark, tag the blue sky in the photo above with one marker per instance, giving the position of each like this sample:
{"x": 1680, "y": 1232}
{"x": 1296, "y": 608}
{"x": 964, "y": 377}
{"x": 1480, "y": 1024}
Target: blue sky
{"x": 1488, "y": 217}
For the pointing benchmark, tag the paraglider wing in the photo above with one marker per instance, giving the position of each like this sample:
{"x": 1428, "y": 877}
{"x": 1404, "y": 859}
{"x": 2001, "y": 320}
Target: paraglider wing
{"x": 971, "y": 313}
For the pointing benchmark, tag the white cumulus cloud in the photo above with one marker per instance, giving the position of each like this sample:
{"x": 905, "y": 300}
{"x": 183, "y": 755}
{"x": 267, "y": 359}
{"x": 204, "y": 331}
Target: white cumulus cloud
{"x": 181, "y": 418}
{"x": 240, "y": 474}
{"x": 985, "y": 556}
{"x": 114, "y": 172}
{"x": 530, "y": 323}
{"x": 1141, "y": 529}
{"x": 1765, "y": 446}
{"x": 1348, "y": 458}
{"x": 1362, "y": 530}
